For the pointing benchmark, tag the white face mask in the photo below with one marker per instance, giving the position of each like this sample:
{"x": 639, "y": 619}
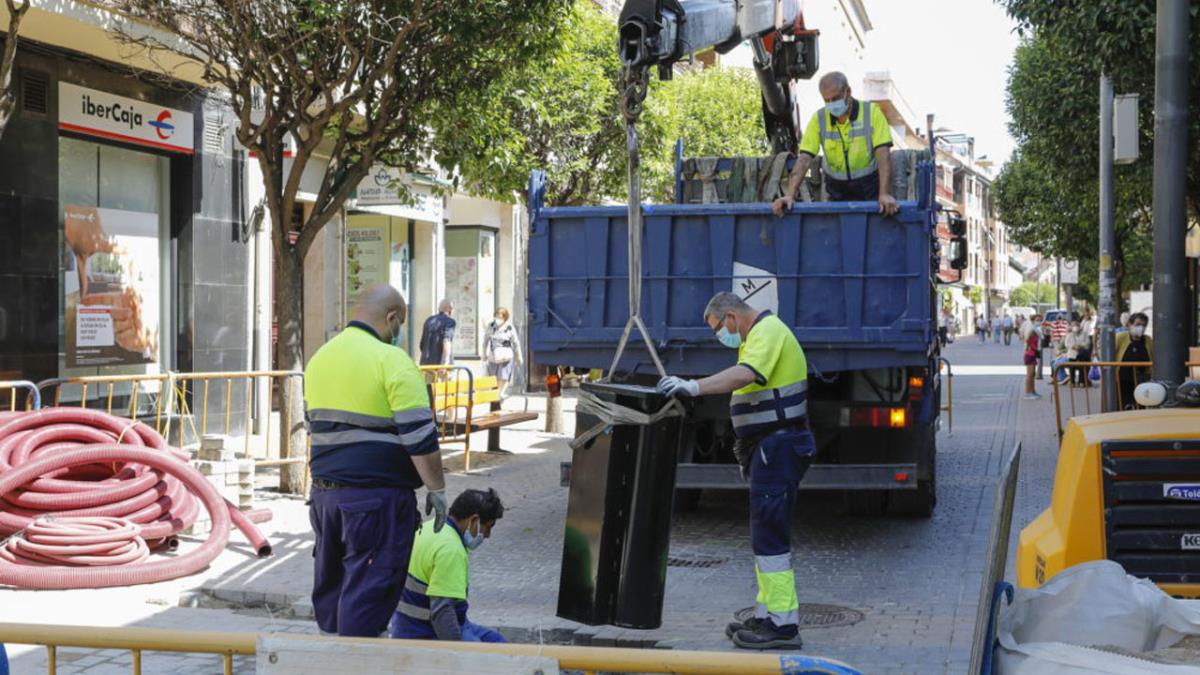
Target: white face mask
{"x": 1137, "y": 330}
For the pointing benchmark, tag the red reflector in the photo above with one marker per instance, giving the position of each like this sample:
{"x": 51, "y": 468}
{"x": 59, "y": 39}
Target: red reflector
{"x": 901, "y": 476}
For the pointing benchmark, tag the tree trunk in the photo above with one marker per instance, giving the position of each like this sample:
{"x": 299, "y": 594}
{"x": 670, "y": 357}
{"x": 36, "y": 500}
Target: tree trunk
{"x": 289, "y": 352}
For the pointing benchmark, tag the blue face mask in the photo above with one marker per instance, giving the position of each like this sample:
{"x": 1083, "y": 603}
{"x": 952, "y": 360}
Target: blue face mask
{"x": 472, "y": 541}
{"x": 731, "y": 340}
{"x": 837, "y": 108}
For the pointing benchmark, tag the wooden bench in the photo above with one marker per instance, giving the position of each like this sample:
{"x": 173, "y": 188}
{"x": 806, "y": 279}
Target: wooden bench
{"x": 448, "y": 397}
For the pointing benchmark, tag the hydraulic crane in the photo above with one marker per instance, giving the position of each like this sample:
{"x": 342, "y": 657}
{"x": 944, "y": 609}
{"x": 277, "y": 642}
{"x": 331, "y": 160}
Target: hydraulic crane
{"x": 663, "y": 32}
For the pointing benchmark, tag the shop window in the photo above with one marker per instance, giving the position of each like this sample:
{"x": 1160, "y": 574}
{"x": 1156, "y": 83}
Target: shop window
{"x": 471, "y": 282}
{"x": 115, "y": 273}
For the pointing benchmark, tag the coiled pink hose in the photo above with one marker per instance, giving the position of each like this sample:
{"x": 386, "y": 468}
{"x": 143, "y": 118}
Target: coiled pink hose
{"x": 100, "y": 477}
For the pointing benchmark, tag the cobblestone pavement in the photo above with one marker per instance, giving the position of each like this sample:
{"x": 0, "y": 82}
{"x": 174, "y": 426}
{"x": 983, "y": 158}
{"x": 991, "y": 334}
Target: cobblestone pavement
{"x": 916, "y": 581}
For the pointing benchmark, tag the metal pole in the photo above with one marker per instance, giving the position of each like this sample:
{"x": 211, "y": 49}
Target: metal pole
{"x": 1058, "y": 283}
{"x": 1170, "y": 185}
{"x": 1108, "y": 243}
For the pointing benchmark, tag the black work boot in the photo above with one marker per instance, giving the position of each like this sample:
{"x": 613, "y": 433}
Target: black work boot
{"x": 735, "y": 625}
{"x": 769, "y": 636}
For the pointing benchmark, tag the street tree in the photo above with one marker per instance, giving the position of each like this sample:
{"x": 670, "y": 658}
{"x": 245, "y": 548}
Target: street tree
{"x": 1049, "y": 197}
{"x": 352, "y": 80}
{"x": 716, "y": 111}
{"x": 1029, "y": 294}
{"x": 8, "y": 57}
{"x": 558, "y": 113}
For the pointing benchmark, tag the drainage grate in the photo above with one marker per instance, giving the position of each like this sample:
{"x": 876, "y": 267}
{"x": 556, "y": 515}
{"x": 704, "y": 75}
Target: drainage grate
{"x": 695, "y": 562}
{"x": 816, "y": 616}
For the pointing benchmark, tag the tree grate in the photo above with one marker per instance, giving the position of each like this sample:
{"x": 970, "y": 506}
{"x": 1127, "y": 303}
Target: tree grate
{"x": 698, "y": 562}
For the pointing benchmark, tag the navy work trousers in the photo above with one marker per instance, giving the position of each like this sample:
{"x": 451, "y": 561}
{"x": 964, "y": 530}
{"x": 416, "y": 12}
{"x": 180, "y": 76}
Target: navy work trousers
{"x": 780, "y": 462}
{"x": 364, "y": 537}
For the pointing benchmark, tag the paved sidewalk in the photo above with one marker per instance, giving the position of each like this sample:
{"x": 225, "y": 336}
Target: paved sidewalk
{"x": 916, "y": 581}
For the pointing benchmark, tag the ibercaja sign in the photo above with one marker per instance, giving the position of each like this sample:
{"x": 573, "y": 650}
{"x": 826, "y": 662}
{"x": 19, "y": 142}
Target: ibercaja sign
{"x": 97, "y": 113}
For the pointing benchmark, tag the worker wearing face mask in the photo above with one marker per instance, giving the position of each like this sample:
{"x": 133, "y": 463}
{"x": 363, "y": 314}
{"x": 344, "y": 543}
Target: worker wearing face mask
{"x": 1133, "y": 346}
{"x": 374, "y": 443}
{"x": 769, "y": 412}
{"x": 857, "y": 142}
{"x": 433, "y": 604}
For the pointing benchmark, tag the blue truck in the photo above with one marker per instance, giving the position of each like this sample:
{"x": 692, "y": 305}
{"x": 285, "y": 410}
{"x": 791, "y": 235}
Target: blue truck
{"x": 858, "y": 289}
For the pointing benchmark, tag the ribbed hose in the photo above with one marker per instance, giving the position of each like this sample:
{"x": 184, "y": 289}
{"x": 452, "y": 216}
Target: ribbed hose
{"x": 95, "y": 472}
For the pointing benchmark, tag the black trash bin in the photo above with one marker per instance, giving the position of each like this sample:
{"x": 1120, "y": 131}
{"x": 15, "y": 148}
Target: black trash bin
{"x": 614, "y": 566}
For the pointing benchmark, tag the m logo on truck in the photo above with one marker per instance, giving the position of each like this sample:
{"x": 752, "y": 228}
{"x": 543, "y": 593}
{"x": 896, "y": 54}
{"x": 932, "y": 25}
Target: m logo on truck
{"x": 1185, "y": 491}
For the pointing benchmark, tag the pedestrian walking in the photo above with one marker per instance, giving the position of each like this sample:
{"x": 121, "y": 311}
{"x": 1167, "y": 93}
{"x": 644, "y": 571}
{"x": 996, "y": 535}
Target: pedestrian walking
{"x": 1133, "y": 346}
{"x": 437, "y": 336}
{"x": 943, "y": 326}
{"x": 1032, "y": 340}
{"x": 981, "y": 326}
{"x": 1006, "y": 324}
{"x": 995, "y": 326}
{"x": 774, "y": 448}
{"x": 373, "y": 444}
{"x": 433, "y": 605}
{"x": 502, "y": 350}
{"x": 1042, "y": 342}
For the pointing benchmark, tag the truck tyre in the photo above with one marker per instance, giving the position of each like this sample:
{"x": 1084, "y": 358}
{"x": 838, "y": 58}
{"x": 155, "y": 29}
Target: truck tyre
{"x": 919, "y": 502}
{"x": 687, "y": 500}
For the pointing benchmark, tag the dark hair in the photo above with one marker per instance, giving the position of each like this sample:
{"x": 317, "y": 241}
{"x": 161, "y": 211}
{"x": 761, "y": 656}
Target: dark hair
{"x": 469, "y": 503}
{"x": 1138, "y": 315}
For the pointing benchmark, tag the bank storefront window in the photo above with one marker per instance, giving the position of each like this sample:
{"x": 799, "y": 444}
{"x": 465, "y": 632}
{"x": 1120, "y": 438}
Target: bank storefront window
{"x": 116, "y": 276}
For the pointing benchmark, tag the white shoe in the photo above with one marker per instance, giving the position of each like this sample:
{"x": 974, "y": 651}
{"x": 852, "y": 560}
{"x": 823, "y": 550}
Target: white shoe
{"x": 1032, "y": 397}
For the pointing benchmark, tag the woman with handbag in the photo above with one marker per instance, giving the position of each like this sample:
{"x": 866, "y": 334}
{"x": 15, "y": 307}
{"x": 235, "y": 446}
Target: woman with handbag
{"x": 501, "y": 349}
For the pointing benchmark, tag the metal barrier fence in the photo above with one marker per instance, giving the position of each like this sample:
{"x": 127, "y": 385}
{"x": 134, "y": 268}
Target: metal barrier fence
{"x": 994, "y": 586}
{"x": 452, "y": 398}
{"x": 589, "y": 660}
{"x": 177, "y": 400}
{"x": 1074, "y": 377}
{"x": 33, "y": 398}
{"x": 949, "y": 407}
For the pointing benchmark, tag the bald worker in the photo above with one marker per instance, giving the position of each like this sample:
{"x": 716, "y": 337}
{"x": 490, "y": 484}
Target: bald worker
{"x": 373, "y": 444}
{"x": 857, "y": 142}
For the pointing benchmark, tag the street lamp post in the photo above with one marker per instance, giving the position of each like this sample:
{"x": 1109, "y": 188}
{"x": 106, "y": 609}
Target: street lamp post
{"x": 1108, "y": 243}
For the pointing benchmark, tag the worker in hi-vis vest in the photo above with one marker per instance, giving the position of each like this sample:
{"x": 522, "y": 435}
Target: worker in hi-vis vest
{"x": 374, "y": 442}
{"x": 856, "y": 140}
{"x": 433, "y": 605}
{"x": 769, "y": 412}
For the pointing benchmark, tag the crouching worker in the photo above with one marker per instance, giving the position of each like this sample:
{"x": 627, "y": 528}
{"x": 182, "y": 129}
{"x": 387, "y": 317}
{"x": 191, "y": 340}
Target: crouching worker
{"x": 433, "y": 604}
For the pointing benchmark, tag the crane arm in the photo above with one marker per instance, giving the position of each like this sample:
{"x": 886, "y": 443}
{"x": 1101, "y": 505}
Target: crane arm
{"x": 661, "y": 33}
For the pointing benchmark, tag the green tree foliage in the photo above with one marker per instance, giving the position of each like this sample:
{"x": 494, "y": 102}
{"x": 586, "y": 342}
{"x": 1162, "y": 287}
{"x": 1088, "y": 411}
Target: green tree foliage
{"x": 560, "y": 114}
{"x": 1048, "y": 193}
{"x": 1029, "y": 294}
{"x": 557, "y": 113}
{"x": 717, "y": 112}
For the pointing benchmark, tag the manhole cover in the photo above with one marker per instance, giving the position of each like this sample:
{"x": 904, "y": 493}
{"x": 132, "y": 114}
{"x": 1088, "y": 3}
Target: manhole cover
{"x": 816, "y": 616}
{"x": 693, "y": 561}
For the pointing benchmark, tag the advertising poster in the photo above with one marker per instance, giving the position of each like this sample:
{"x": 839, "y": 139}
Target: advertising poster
{"x": 111, "y": 287}
{"x": 462, "y": 289}
{"x": 367, "y": 259}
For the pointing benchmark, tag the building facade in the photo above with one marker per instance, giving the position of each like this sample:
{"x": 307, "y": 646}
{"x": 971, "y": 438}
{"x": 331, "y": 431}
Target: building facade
{"x": 122, "y": 208}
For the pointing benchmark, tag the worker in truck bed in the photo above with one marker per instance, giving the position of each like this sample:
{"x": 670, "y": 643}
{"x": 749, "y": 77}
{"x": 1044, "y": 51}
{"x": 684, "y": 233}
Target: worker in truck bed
{"x": 769, "y": 412}
{"x": 857, "y": 143}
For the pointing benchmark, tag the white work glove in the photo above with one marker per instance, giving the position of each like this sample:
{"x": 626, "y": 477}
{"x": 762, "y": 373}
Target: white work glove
{"x": 435, "y": 503}
{"x": 677, "y": 386}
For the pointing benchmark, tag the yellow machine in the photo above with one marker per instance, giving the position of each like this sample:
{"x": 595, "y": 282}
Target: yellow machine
{"x": 1127, "y": 488}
